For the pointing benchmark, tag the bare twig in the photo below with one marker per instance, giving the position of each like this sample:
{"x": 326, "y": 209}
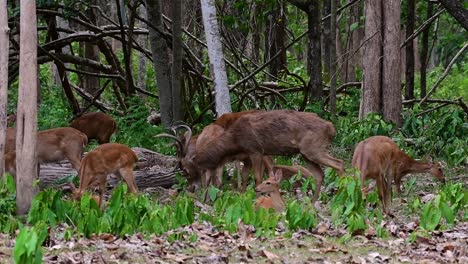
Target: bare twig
{"x": 446, "y": 72}
{"x": 421, "y": 28}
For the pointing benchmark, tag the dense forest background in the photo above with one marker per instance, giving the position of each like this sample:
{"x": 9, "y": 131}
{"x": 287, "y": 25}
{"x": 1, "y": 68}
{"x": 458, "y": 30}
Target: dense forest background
{"x": 395, "y": 68}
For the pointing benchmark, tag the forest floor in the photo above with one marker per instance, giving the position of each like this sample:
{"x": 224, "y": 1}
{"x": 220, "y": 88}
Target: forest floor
{"x": 321, "y": 245}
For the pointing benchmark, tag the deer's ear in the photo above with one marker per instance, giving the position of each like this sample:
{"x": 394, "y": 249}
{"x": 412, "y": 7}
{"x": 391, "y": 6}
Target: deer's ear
{"x": 278, "y": 175}
{"x": 427, "y": 158}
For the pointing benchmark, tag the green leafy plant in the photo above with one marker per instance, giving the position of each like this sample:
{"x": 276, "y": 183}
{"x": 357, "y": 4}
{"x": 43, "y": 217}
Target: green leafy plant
{"x": 445, "y": 205}
{"x": 348, "y": 207}
{"x": 301, "y": 215}
{"x": 28, "y": 244}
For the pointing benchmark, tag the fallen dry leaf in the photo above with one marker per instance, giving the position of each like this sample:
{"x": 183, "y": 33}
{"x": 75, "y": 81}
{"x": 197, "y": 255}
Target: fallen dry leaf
{"x": 268, "y": 255}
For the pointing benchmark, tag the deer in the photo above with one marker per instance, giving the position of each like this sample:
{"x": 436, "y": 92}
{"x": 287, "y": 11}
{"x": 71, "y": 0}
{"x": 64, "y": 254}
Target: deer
{"x": 277, "y": 132}
{"x": 96, "y": 125}
{"x": 52, "y": 145}
{"x": 106, "y": 159}
{"x": 289, "y": 171}
{"x": 270, "y": 196}
{"x": 186, "y": 146}
{"x": 380, "y": 159}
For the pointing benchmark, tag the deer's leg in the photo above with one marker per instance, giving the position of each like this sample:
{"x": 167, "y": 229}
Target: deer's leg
{"x": 244, "y": 176}
{"x": 74, "y": 158}
{"x": 323, "y": 158}
{"x": 218, "y": 176}
{"x": 317, "y": 172}
{"x": 127, "y": 174}
{"x": 259, "y": 165}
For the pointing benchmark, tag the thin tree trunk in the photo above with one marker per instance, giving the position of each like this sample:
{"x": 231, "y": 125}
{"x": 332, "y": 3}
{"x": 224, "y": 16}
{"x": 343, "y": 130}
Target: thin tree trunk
{"x": 326, "y": 38}
{"x": 4, "y": 47}
{"x": 409, "y": 69}
{"x": 126, "y": 50}
{"x": 143, "y": 41}
{"x": 332, "y": 58}
{"x": 371, "y": 60}
{"x": 177, "y": 58}
{"x": 457, "y": 10}
{"x": 91, "y": 51}
{"x": 26, "y": 137}
{"x": 391, "y": 77}
{"x": 424, "y": 52}
{"x": 215, "y": 54}
{"x": 161, "y": 62}
{"x": 314, "y": 53}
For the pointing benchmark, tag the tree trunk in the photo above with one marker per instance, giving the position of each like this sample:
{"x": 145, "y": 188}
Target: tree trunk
{"x": 332, "y": 58}
{"x": 143, "y": 41}
{"x": 391, "y": 77}
{"x": 314, "y": 53}
{"x": 456, "y": 9}
{"x": 161, "y": 62}
{"x": 177, "y": 58}
{"x": 409, "y": 69}
{"x": 424, "y": 52}
{"x": 126, "y": 44}
{"x": 215, "y": 54}
{"x": 326, "y": 38}
{"x": 26, "y": 137}
{"x": 371, "y": 60}
{"x": 91, "y": 51}
{"x": 4, "y": 47}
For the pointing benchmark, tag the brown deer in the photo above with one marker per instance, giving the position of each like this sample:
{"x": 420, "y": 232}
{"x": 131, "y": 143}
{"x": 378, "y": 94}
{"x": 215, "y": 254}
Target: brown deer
{"x": 52, "y": 145}
{"x": 186, "y": 146}
{"x": 270, "y": 196}
{"x": 379, "y": 158}
{"x": 278, "y": 132}
{"x": 96, "y": 125}
{"x": 106, "y": 159}
{"x": 289, "y": 171}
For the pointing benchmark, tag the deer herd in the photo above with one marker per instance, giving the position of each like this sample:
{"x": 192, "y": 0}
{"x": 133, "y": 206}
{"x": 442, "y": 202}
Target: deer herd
{"x": 251, "y": 137}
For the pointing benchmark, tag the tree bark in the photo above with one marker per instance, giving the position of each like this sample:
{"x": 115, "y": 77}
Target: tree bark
{"x": 409, "y": 69}
{"x": 314, "y": 51}
{"x": 91, "y": 51}
{"x": 126, "y": 45}
{"x": 4, "y": 47}
{"x": 26, "y": 137}
{"x": 161, "y": 62}
{"x": 177, "y": 59}
{"x": 215, "y": 54}
{"x": 391, "y": 77}
{"x": 371, "y": 60}
{"x": 456, "y": 9}
{"x": 424, "y": 52}
{"x": 332, "y": 58}
{"x": 326, "y": 38}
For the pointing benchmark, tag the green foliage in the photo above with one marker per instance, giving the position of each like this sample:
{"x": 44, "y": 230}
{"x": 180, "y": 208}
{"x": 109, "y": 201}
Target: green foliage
{"x": 441, "y": 134}
{"x": 350, "y": 131}
{"x": 8, "y": 223}
{"x": 347, "y": 205}
{"x": 231, "y": 207}
{"x": 28, "y": 244}
{"x": 445, "y": 205}
{"x": 301, "y": 215}
{"x": 125, "y": 214}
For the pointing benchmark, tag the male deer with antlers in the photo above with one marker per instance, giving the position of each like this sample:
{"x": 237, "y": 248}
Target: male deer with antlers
{"x": 278, "y": 132}
{"x": 102, "y": 161}
{"x": 186, "y": 147}
{"x": 379, "y": 158}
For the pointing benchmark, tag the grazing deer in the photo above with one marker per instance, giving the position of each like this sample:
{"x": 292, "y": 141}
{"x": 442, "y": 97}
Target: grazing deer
{"x": 52, "y": 145}
{"x": 379, "y": 158}
{"x": 186, "y": 146}
{"x": 96, "y": 125}
{"x": 278, "y": 132}
{"x": 106, "y": 159}
{"x": 270, "y": 196}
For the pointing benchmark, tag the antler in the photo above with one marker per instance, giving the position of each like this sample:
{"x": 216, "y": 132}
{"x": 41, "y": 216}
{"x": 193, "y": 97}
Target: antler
{"x": 173, "y": 137}
{"x": 188, "y": 135}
